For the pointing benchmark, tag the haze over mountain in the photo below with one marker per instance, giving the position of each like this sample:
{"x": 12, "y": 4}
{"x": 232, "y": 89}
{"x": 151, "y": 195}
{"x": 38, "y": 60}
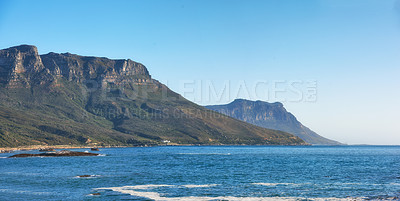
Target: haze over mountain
{"x": 272, "y": 116}
{"x": 70, "y": 99}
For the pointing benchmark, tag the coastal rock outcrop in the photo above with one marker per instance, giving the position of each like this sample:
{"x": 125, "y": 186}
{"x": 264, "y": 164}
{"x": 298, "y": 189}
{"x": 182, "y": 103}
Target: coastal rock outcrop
{"x": 55, "y": 154}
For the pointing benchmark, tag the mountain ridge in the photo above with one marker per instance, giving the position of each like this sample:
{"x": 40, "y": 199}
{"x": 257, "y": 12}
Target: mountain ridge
{"x": 54, "y": 99}
{"x": 272, "y": 116}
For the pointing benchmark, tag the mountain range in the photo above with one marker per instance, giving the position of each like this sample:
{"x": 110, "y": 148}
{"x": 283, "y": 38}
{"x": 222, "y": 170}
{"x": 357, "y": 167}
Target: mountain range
{"x": 272, "y": 116}
{"x": 69, "y": 99}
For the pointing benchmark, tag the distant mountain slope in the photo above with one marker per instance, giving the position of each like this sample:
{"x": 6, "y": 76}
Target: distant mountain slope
{"x": 70, "y": 99}
{"x": 272, "y": 116}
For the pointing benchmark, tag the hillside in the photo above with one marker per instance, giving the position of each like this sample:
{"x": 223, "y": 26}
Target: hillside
{"x": 272, "y": 116}
{"x": 54, "y": 99}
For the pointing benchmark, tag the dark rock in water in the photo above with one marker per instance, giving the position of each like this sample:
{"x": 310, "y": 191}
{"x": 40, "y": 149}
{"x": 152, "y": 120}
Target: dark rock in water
{"x": 94, "y": 149}
{"x": 95, "y": 194}
{"x": 46, "y": 149}
{"x": 55, "y": 154}
{"x": 85, "y": 175}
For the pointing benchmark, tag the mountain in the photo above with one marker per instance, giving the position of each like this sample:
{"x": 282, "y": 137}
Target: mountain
{"x": 65, "y": 99}
{"x": 272, "y": 116}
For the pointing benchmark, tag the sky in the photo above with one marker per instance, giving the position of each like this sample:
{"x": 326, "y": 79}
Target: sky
{"x": 334, "y": 64}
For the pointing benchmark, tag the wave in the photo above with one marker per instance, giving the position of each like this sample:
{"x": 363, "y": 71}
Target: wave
{"x": 25, "y": 192}
{"x": 23, "y": 173}
{"x": 223, "y": 154}
{"x": 199, "y": 186}
{"x": 87, "y": 176}
{"x": 143, "y": 187}
{"x": 324, "y": 184}
{"x": 275, "y": 184}
{"x": 132, "y": 190}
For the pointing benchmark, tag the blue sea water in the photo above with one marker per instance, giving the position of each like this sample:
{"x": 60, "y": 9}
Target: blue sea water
{"x": 207, "y": 173}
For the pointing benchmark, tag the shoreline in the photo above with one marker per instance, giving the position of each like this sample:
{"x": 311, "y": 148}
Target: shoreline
{"x": 36, "y": 147}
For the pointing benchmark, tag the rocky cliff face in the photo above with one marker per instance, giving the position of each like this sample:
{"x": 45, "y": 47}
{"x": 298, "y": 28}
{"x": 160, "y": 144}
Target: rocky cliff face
{"x": 71, "y": 99}
{"x": 78, "y": 68}
{"x": 270, "y": 115}
{"x": 22, "y": 66}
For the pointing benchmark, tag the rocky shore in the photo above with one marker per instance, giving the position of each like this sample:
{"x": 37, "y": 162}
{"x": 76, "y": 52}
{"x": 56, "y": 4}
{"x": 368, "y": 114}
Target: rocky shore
{"x": 55, "y": 154}
{"x": 48, "y": 147}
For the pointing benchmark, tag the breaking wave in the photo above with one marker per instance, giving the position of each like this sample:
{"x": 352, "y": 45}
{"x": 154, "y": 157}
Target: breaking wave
{"x": 135, "y": 191}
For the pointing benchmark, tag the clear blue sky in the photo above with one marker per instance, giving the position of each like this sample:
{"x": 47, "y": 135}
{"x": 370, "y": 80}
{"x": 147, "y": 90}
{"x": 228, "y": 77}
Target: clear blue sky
{"x": 349, "y": 48}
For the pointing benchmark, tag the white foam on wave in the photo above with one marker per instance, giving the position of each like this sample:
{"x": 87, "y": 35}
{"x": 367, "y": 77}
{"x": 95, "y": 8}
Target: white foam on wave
{"x": 275, "y": 184}
{"x": 132, "y": 190}
{"x": 223, "y": 154}
{"x": 147, "y": 186}
{"x": 199, "y": 186}
{"x": 3, "y": 157}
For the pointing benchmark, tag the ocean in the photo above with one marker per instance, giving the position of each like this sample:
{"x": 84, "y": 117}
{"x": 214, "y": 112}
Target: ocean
{"x": 207, "y": 173}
